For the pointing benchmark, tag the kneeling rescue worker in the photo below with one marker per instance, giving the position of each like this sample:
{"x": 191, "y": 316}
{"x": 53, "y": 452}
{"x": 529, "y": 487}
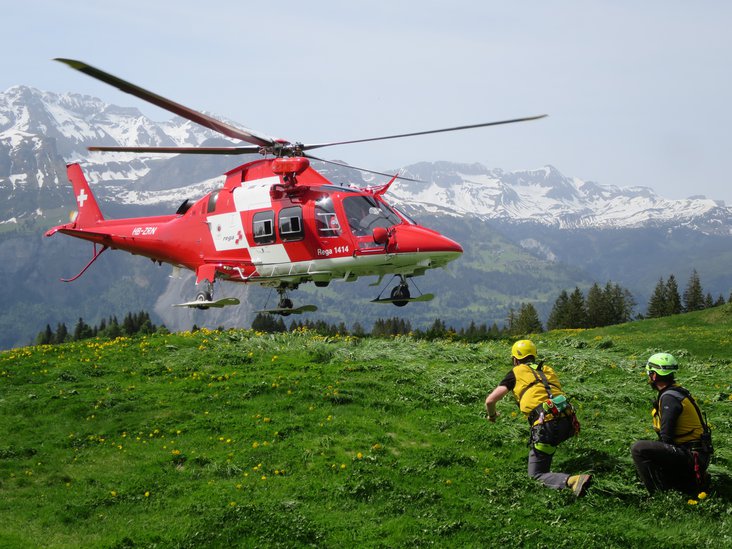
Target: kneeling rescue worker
{"x": 551, "y": 418}
{"x": 679, "y": 459}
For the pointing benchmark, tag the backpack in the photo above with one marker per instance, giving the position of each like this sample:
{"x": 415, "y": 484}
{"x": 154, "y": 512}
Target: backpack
{"x": 554, "y": 420}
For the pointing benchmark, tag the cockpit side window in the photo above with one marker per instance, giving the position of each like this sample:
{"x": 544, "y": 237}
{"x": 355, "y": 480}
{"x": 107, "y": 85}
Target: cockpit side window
{"x": 365, "y": 213}
{"x": 326, "y": 219}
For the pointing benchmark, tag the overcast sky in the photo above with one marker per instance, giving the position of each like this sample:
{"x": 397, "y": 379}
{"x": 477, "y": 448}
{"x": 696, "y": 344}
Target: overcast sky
{"x": 637, "y": 93}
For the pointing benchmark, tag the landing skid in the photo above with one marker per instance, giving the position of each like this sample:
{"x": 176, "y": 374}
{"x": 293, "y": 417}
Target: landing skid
{"x": 203, "y": 304}
{"x": 284, "y": 311}
{"x": 400, "y": 294}
{"x": 423, "y": 297}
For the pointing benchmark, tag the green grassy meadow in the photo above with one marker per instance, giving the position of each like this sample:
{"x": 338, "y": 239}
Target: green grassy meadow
{"x": 237, "y": 438}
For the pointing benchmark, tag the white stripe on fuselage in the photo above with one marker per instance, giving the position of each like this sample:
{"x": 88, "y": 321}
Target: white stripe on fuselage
{"x": 227, "y": 230}
{"x": 254, "y": 195}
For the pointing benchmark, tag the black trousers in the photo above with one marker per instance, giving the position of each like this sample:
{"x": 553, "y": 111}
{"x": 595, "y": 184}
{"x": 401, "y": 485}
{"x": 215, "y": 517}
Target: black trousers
{"x": 664, "y": 466}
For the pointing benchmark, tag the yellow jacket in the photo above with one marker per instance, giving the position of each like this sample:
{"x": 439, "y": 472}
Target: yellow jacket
{"x": 687, "y": 426}
{"x": 529, "y": 390}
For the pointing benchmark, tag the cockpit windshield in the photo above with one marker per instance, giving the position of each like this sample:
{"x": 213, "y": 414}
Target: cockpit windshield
{"x": 365, "y": 213}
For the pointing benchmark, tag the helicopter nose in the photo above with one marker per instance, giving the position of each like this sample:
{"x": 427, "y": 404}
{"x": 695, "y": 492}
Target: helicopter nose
{"x": 416, "y": 239}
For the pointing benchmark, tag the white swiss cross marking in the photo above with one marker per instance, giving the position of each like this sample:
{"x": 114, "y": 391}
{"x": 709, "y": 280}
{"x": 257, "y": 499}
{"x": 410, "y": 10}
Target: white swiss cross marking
{"x": 81, "y": 198}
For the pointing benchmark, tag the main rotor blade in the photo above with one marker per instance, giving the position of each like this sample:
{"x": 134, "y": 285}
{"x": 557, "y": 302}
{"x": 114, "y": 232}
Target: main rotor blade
{"x": 361, "y": 169}
{"x": 204, "y": 120}
{"x": 456, "y": 128}
{"x": 181, "y": 150}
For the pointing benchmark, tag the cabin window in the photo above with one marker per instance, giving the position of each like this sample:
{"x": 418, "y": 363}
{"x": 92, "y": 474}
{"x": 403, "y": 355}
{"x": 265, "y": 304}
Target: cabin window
{"x": 291, "y": 224}
{"x": 365, "y": 213}
{"x": 326, "y": 219}
{"x": 263, "y": 227}
{"x": 212, "y": 199}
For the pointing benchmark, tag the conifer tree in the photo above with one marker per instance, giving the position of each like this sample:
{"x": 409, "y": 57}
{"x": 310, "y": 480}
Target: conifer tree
{"x": 511, "y": 320}
{"x": 597, "y": 309}
{"x": 577, "y": 310}
{"x": 619, "y": 303}
{"x": 358, "y": 330}
{"x": 82, "y": 330}
{"x": 693, "y": 294}
{"x": 437, "y": 330}
{"x": 113, "y": 329}
{"x": 559, "y": 315}
{"x": 61, "y": 333}
{"x": 390, "y": 327}
{"x": 673, "y": 299}
{"x": 265, "y": 322}
{"x": 527, "y": 321}
{"x": 658, "y": 304}
{"x": 128, "y": 325}
{"x": 45, "y": 337}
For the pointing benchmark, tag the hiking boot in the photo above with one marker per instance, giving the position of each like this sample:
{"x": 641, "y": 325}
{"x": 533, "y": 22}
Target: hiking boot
{"x": 578, "y": 484}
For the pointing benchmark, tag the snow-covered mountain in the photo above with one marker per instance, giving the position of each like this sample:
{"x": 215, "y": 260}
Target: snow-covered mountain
{"x": 545, "y": 196}
{"x": 64, "y": 125}
{"x": 41, "y": 131}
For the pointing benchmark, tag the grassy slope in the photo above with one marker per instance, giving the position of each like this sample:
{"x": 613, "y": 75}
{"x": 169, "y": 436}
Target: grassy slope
{"x": 217, "y": 439}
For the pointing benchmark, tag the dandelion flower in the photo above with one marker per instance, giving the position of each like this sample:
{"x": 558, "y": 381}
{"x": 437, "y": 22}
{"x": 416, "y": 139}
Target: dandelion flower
{"x": 359, "y": 456}
{"x": 703, "y": 495}
{"x": 147, "y": 494}
{"x": 692, "y": 502}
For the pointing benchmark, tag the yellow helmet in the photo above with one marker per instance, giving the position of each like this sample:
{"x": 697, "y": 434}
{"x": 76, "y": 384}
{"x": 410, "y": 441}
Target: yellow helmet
{"x": 523, "y": 348}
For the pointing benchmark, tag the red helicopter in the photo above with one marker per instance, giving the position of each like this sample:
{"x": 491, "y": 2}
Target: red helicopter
{"x": 276, "y": 222}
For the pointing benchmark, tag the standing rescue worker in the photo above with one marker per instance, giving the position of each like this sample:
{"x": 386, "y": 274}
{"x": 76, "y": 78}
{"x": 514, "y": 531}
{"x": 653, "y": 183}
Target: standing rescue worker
{"x": 678, "y": 460}
{"x": 539, "y": 396}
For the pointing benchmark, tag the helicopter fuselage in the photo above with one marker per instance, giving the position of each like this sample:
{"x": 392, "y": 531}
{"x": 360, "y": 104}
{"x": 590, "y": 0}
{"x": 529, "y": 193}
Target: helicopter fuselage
{"x": 272, "y": 229}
